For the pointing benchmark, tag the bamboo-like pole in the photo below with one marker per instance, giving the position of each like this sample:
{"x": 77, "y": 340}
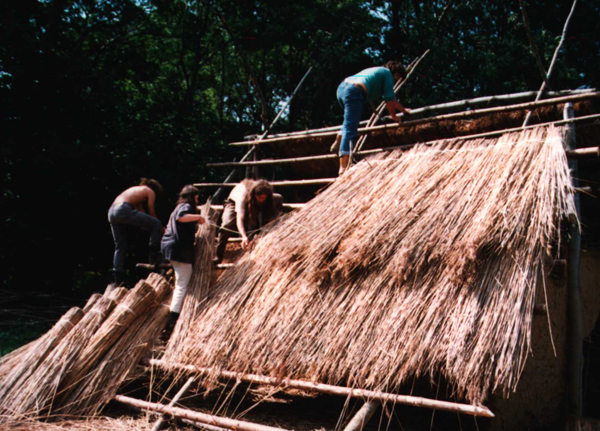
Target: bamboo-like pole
{"x": 375, "y": 117}
{"x": 275, "y": 183}
{"x": 252, "y": 151}
{"x": 363, "y": 416}
{"x": 287, "y": 206}
{"x": 575, "y": 390}
{"x": 467, "y": 103}
{"x": 534, "y": 49}
{"x": 159, "y": 423}
{"x": 579, "y": 153}
{"x": 553, "y": 62}
{"x": 453, "y": 116}
{"x": 323, "y": 388}
{"x": 228, "y": 423}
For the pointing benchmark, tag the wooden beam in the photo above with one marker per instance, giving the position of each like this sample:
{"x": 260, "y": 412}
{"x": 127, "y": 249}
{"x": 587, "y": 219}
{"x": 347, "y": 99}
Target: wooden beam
{"x": 288, "y": 206}
{"x": 383, "y": 397}
{"x": 574, "y": 307}
{"x": 578, "y": 153}
{"x": 158, "y": 425}
{"x": 275, "y": 183}
{"x": 204, "y": 418}
{"x": 454, "y": 116}
{"x": 360, "y": 419}
{"x": 467, "y": 103}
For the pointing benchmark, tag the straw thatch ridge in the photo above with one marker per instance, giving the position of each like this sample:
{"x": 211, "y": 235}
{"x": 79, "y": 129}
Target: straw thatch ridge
{"x": 412, "y": 264}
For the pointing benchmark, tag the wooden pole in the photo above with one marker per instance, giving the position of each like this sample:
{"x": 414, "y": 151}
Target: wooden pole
{"x": 275, "y": 183}
{"x": 360, "y": 419}
{"x": 575, "y": 383}
{"x": 553, "y": 62}
{"x": 534, "y": 49}
{"x": 288, "y": 206}
{"x": 383, "y": 397}
{"x": 467, "y": 103}
{"x": 454, "y": 116}
{"x": 377, "y": 114}
{"x": 159, "y": 423}
{"x": 579, "y": 153}
{"x": 204, "y": 418}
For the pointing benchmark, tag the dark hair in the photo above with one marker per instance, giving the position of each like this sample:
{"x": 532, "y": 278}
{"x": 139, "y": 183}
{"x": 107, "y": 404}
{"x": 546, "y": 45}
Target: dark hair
{"x": 268, "y": 210}
{"x": 187, "y": 195}
{"x": 396, "y": 67}
{"x": 153, "y": 184}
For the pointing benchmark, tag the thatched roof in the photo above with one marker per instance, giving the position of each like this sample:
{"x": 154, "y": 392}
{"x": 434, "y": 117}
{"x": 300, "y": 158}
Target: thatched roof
{"x": 411, "y": 264}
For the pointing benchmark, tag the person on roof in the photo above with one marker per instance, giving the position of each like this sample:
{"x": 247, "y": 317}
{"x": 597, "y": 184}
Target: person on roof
{"x": 177, "y": 243}
{"x": 128, "y": 209}
{"x": 370, "y": 85}
{"x": 250, "y": 205}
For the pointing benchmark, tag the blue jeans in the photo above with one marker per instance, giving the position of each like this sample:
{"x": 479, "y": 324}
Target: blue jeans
{"x": 122, "y": 214}
{"x": 352, "y": 99}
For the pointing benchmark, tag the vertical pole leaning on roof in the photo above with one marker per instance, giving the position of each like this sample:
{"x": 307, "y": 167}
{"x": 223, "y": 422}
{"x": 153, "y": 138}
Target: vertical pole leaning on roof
{"x": 252, "y": 150}
{"x": 575, "y": 372}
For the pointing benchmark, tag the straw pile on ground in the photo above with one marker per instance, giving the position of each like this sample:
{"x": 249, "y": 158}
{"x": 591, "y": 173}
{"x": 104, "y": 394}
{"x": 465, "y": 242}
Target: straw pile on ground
{"x": 77, "y": 367}
{"x": 412, "y": 264}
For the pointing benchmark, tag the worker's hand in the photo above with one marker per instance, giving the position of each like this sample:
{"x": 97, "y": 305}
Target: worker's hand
{"x": 201, "y": 220}
{"x": 245, "y": 242}
{"x": 407, "y": 111}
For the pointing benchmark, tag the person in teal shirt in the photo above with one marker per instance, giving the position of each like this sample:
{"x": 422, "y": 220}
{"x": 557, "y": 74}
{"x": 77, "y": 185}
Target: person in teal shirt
{"x": 370, "y": 85}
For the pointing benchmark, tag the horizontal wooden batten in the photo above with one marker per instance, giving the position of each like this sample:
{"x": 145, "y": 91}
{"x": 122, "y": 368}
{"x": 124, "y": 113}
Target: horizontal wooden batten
{"x": 384, "y": 397}
{"x": 454, "y": 116}
{"x": 275, "y": 183}
{"x": 203, "y": 418}
{"x": 465, "y": 104}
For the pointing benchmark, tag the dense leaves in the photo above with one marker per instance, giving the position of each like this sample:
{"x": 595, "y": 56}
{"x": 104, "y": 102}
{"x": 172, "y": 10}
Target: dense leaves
{"x": 97, "y": 93}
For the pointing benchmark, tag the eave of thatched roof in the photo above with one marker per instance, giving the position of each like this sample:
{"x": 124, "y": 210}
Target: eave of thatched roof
{"x": 411, "y": 264}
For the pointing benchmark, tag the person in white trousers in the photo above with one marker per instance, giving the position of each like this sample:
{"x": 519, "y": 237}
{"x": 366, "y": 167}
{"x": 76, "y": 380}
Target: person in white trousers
{"x": 177, "y": 243}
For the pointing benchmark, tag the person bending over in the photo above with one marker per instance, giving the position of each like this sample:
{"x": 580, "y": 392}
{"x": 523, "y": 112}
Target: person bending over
{"x": 370, "y": 85}
{"x": 250, "y": 205}
{"x": 128, "y": 209}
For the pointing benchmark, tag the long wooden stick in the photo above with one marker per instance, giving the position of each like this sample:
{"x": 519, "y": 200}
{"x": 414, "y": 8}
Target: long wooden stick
{"x": 363, "y": 416}
{"x": 533, "y": 46}
{"x": 553, "y": 62}
{"x": 377, "y": 114}
{"x": 575, "y": 376}
{"x": 228, "y": 423}
{"x": 275, "y": 183}
{"x": 159, "y": 423}
{"x": 467, "y": 103}
{"x": 579, "y": 153}
{"x": 334, "y": 390}
{"x": 453, "y": 116}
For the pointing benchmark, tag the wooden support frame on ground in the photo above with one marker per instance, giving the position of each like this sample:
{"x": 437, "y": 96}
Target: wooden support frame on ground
{"x": 323, "y": 388}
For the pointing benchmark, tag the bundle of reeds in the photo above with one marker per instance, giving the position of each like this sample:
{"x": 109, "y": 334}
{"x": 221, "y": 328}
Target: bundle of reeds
{"x": 36, "y": 397}
{"x": 17, "y": 368}
{"x": 86, "y": 397}
{"x": 413, "y": 264}
{"x": 199, "y": 283}
{"x": 135, "y": 303}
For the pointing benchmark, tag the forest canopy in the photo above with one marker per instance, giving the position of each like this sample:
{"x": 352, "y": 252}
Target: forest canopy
{"x": 98, "y": 93}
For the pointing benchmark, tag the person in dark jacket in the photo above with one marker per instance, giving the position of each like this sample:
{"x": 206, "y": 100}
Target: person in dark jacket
{"x": 178, "y": 242}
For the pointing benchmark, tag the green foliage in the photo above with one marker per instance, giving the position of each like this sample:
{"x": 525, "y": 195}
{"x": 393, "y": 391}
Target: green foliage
{"x": 18, "y": 333}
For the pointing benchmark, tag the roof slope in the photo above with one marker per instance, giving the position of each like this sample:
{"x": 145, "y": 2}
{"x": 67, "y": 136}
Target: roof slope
{"x": 409, "y": 264}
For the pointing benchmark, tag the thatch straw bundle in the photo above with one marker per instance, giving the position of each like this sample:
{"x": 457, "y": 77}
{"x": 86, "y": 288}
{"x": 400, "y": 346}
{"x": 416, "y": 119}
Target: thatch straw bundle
{"x": 18, "y": 367}
{"x": 409, "y": 265}
{"x": 37, "y": 394}
{"x": 199, "y": 283}
{"x": 88, "y": 396}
